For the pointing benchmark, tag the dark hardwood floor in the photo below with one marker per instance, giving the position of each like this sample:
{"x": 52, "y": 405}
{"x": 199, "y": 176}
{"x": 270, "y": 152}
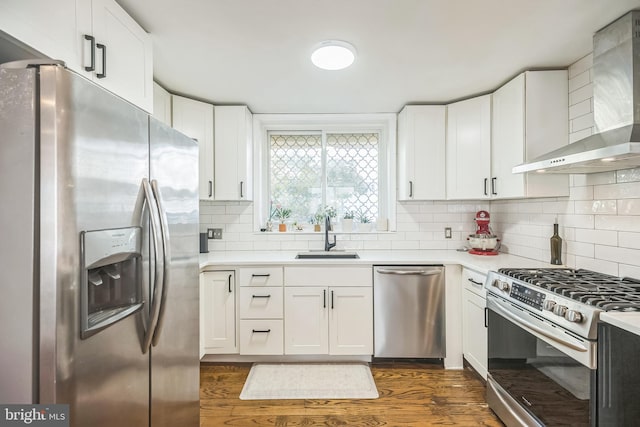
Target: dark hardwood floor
{"x": 411, "y": 394}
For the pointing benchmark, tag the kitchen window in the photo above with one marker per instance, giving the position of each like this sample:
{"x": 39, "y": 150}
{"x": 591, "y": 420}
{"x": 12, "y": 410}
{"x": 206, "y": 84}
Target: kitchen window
{"x": 309, "y": 162}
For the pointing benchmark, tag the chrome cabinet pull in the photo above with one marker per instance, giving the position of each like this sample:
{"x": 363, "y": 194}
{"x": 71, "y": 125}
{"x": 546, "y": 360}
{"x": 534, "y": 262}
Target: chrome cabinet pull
{"x": 92, "y": 39}
{"x": 103, "y": 74}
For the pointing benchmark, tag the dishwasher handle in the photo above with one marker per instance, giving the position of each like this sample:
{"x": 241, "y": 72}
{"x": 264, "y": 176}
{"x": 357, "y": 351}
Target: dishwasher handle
{"x": 409, "y": 272}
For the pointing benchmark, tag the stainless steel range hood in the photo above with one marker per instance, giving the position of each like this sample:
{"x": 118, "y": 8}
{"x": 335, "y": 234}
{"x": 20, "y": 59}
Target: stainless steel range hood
{"x": 616, "y": 107}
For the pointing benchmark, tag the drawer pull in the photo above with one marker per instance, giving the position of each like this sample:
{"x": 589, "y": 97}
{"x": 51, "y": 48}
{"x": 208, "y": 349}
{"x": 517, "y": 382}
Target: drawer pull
{"x": 475, "y": 282}
{"x": 260, "y": 296}
{"x": 260, "y": 331}
{"x": 261, "y": 275}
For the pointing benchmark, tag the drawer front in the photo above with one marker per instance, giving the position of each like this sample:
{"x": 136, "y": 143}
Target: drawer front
{"x": 329, "y": 276}
{"x": 261, "y": 302}
{"x": 261, "y": 337}
{"x": 260, "y": 276}
{"x": 474, "y": 282}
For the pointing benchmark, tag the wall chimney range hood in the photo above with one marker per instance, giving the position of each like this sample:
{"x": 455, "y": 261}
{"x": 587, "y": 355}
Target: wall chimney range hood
{"x": 616, "y": 107}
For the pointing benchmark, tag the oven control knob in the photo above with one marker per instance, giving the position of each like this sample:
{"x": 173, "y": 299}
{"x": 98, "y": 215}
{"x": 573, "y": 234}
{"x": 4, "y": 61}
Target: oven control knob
{"x": 559, "y": 310}
{"x": 500, "y": 284}
{"x": 573, "y": 316}
{"x": 548, "y": 305}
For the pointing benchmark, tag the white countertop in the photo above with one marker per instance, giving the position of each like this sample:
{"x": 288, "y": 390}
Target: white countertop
{"x": 480, "y": 263}
{"x": 628, "y": 321}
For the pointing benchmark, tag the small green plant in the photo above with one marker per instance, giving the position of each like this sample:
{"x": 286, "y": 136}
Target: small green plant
{"x": 330, "y": 211}
{"x": 363, "y": 218}
{"x": 348, "y": 215}
{"x": 282, "y": 213}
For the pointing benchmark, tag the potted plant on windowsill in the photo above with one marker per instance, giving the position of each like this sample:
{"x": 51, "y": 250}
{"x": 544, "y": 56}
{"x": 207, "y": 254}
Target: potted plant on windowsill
{"x": 316, "y": 220}
{"x": 347, "y": 222}
{"x": 364, "y": 222}
{"x": 282, "y": 214}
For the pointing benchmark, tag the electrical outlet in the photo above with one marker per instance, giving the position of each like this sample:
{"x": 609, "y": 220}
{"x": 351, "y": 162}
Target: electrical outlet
{"x": 209, "y": 233}
{"x": 447, "y": 232}
{"x": 217, "y": 233}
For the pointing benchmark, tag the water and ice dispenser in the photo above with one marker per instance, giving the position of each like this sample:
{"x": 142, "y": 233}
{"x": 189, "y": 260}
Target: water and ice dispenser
{"x": 111, "y": 283}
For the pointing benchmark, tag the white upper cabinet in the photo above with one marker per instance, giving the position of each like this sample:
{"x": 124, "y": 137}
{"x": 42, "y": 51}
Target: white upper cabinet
{"x": 530, "y": 118}
{"x": 421, "y": 152}
{"x": 233, "y": 153}
{"x": 123, "y": 54}
{"x": 95, "y": 38}
{"x": 162, "y": 104}
{"x": 468, "y": 163}
{"x": 195, "y": 119}
{"x": 55, "y": 29}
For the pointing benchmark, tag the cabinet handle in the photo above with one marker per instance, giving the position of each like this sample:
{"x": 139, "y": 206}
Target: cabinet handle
{"x": 485, "y": 187}
{"x": 230, "y": 283}
{"x": 486, "y": 317}
{"x": 241, "y": 192}
{"x": 93, "y": 52}
{"x": 324, "y": 298}
{"x": 210, "y": 188}
{"x": 261, "y": 275}
{"x": 260, "y": 331}
{"x": 260, "y": 296}
{"x": 331, "y": 300}
{"x": 475, "y": 282}
{"x": 103, "y": 74}
{"x": 410, "y": 189}
{"x": 493, "y": 186}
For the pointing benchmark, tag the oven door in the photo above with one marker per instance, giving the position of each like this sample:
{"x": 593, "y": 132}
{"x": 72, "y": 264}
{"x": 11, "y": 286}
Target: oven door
{"x": 531, "y": 382}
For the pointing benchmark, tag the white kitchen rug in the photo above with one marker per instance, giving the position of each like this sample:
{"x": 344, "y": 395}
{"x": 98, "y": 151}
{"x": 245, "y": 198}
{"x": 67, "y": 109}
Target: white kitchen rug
{"x": 309, "y": 381}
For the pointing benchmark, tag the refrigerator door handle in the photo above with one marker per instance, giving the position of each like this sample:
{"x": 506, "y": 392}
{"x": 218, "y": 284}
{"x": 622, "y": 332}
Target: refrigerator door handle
{"x": 158, "y": 281}
{"x": 166, "y": 260}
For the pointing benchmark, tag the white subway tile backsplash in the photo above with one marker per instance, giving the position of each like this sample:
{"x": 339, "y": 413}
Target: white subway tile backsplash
{"x": 581, "y": 180}
{"x": 603, "y": 207}
{"x": 629, "y": 240}
{"x": 581, "y": 123}
{"x": 619, "y": 255}
{"x": 578, "y": 221}
{"x": 603, "y": 266}
{"x": 581, "y": 94}
{"x": 579, "y": 80}
{"x": 603, "y": 237}
{"x": 617, "y": 223}
{"x": 632, "y": 271}
{"x": 583, "y": 64}
{"x": 581, "y": 193}
{"x": 580, "y": 249}
{"x": 628, "y": 175}
{"x": 580, "y": 109}
{"x": 581, "y": 134}
{"x": 629, "y": 207}
{"x": 625, "y": 190}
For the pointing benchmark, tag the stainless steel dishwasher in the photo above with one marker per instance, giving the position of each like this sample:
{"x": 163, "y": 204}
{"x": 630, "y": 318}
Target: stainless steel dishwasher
{"x": 408, "y": 311}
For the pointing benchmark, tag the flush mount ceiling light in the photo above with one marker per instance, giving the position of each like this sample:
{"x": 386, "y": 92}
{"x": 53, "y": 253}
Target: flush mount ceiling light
{"x": 333, "y": 55}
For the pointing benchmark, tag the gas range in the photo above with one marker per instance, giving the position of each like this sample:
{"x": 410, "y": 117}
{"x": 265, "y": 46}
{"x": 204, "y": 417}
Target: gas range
{"x": 571, "y": 299}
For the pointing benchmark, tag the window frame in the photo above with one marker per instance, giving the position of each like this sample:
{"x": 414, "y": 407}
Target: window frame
{"x": 382, "y": 123}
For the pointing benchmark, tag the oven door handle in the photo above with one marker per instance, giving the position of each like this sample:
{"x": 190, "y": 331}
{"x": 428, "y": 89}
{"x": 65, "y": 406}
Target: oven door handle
{"x": 530, "y": 327}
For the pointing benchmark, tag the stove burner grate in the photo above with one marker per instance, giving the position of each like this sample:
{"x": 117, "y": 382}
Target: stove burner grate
{"x": 600, "y": 290}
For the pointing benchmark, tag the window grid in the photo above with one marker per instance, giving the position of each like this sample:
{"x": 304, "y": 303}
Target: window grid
{"x": 309, "y": 171}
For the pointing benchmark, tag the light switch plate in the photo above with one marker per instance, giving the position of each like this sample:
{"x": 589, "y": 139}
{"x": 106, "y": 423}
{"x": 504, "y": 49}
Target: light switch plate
{"x": 217, "y": 233}
{"x": 447, "y": 232}
{"x": 209, "y": 233}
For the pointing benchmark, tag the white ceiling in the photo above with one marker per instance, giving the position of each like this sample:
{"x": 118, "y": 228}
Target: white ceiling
{"x": 256, "y": 52}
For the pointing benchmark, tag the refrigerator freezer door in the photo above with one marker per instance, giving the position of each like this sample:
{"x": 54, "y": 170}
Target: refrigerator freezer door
{"x": 175, "y": 376}
{"x": 18, "y": 364}
{"x": 93, "y": 157}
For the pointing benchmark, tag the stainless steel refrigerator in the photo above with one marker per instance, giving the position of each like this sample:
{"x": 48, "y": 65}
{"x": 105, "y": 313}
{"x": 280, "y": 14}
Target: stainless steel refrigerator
{"x": 98, "y": 255}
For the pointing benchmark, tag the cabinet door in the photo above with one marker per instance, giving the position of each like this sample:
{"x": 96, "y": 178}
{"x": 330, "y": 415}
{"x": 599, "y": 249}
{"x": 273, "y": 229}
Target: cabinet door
{"x": 161, "y": 104}
{"x": 474, "y": 332}
{"x": 55, "y": 29}
{"x": 306, "y": 326}
{"x": 421, "y": 152}
{"x": 219, "y": 312}
{"x": 469, "y": 148}
{"x": 195, "y": 119}
{"x": 233, "y": 153}
{"x": 507, "y": 141}
{"x": 127, "y": 52}
{"x": 350, "y": 321}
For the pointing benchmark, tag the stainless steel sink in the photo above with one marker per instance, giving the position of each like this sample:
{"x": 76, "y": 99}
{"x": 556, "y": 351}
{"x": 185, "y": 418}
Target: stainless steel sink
{"x": 327, "y": 255}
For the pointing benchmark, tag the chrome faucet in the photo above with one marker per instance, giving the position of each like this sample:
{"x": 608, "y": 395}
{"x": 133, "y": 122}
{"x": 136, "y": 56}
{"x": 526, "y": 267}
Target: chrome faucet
{"x": 327, "y": 225}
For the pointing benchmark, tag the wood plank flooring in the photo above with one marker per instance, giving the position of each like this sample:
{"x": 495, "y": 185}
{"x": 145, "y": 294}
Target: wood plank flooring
{"x": 411, "y": 394}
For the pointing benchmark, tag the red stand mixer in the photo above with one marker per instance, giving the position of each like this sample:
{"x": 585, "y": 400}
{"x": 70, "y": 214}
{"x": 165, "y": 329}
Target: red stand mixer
{"x": 483, "y": 242}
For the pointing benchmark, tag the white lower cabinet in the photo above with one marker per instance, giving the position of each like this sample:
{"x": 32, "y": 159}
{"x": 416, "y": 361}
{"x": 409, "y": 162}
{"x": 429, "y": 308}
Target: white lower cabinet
{"x": 328, "y": 320}
{"x": 261, "y": 336}
{"x": 474, "y": 331}
{"x": 219, "y": 312}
